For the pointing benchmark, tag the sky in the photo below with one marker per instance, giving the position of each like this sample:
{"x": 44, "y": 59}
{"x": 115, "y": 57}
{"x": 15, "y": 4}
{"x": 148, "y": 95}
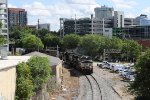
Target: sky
{"x": 49, "y": 11}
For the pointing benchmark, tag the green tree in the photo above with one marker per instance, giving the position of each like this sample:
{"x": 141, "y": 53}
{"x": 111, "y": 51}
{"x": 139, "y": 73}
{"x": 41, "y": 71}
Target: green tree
{"x": 24, "y": 85}
{"x": 40, "y": 71}
{"x": 71, "y": 41}
{"x": 51, "y": 40}
{"x": 2, "y": 39}
{"x": 141, "y": 85}
{"x": 32, "y": 42}
{"x": 131, "y": 50}
{"x": 91, "y": 44}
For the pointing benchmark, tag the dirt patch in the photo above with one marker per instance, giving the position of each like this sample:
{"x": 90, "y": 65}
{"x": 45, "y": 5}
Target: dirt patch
{"x": 70, "y": 85}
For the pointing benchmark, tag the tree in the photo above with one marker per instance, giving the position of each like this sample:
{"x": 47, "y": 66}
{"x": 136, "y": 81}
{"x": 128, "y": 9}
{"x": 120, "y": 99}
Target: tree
{"x": 71, "y": 41}
{"x": 24, "y": 85}
{"x": 2, "y": 39}
{"x": 51, "y": 40}
{"x": 91, "y": 44}
{"x": 141, "y": 85}
{"x": 40, "y": 71}
{"x": 131, "y": 49}
{"x": 32, "y": 42}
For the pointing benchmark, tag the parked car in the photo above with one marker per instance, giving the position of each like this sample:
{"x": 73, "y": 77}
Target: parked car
{"x": 131, "y": 76}
{"x": 104, "y": 64}
{"x": 117, "y": 67}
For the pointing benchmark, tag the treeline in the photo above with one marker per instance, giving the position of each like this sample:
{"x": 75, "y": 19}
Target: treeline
{"x": 92, "y": 45}
{"x": 31, "y": 76}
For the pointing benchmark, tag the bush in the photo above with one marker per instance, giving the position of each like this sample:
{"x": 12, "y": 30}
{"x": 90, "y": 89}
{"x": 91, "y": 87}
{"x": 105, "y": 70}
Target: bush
{"x": 40, "y": 71}
{"x": 24, "y": 85}
{"x": 141, "y": 85}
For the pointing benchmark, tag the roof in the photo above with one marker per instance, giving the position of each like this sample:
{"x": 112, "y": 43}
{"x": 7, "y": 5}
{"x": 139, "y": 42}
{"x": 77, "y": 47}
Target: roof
{"x": 53, "y": 60}
{"x": 12, "y": 61}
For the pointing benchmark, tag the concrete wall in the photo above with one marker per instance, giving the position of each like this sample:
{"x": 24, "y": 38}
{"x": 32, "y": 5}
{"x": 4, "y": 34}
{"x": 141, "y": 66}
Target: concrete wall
{"x": 7, "y": 83}
{"x": 59, "y": 73}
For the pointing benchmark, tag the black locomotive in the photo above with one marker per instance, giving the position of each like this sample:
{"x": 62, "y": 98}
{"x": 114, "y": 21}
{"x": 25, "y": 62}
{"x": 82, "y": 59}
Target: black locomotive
{"x": 82, "y": 63}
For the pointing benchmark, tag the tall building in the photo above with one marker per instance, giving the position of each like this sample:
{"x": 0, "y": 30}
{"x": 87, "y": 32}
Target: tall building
{"x": 4, "y": 21}
{"x": 104, "y": 12}
{"x": 118, "y": 19}
{"x": 17, "y": 17}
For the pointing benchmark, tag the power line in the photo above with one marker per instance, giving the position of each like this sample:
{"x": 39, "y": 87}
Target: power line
{"x": 81, "y": 3}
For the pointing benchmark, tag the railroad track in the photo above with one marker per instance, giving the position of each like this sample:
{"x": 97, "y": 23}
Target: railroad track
{"x": 95, "y": 88}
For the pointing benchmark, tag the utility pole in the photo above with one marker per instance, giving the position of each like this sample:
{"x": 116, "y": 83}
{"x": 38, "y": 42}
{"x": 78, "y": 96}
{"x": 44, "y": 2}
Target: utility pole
{"x": 103, "y": 25}
{"x": 63, "y": 27}
{"x": 38, "y": 35}
{"x": 75, "y": 25}
{"x": 92, "y": 23}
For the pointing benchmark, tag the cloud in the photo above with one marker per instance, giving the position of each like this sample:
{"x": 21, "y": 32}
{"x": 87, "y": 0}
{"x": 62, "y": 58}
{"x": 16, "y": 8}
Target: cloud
{"x": 125, "y": 4}
{"x": 52, "y": 12}
{"x": 146, "y": 10}
{"x": 12, "y": 6}
{"x": 37, "y": 8}
{"x": 86, "y": 2}
{"x": 129, "y": 15}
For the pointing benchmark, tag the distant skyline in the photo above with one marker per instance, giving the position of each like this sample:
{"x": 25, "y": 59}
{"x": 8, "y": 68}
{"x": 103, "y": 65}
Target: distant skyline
{"x": 49, "y": 11}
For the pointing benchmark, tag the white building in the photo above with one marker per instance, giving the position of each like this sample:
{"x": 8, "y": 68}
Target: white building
{"x": 8, "y": 76}
{"x": 104, "y": 12}
{"x": 4, "y": 20}
{"x": 44, "y": 26}
{"x": 118, "y": 19}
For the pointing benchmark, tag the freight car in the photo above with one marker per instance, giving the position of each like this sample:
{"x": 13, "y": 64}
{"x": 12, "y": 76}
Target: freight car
{"x": 82, "y": 63}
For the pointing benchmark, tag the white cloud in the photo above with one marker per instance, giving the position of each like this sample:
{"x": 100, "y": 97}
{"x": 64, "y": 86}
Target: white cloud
{"x": 129, "y": 15}
{"x": 127, "y": 4}
{"x": 37, "y": 8}
{"x": 52, "y": 13}
{"x": 12, "y": 6}
{"x": 146, "y": 10}
{"x": 87, "y": 2}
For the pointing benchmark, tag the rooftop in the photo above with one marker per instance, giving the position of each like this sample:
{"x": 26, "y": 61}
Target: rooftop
{"x": 52, "y": 60}
{"x": 12, "y": 61}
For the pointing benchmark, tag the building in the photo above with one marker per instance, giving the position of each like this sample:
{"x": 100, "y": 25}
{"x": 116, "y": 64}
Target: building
{"x": 4, "y": 20}
{"x": 129, "y": 22}
{"x": 33, "y": 27}
{"x": 69, "y": 26}
{"x": 17, "y": 17}
{"x": 104, "y": 12}
{"x": 142, "y": 20}
{"x": 55, "y": 64}
{"x": 44, "y": 26}
{"x": 118, "y": 19}
{"x": 8, "y": 72}
{"x": 8, "y": 76}
{"x": 133, "y": 32}
{"x": 105, "y": 18}
{"x": 83, "y": 26}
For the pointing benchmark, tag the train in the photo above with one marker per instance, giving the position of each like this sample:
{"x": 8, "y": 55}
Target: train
{"x": 82, "y": 63}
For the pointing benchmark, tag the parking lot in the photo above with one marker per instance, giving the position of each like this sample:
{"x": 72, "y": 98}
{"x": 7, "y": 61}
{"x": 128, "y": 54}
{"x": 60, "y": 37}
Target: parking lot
{"x": 125, "y": 70}
{"x": 114, "y": 80}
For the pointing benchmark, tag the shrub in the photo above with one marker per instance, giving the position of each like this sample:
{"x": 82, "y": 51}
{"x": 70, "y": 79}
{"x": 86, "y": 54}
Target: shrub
{"x": 24, "y": 85}
{"x": 40, "y": 71}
